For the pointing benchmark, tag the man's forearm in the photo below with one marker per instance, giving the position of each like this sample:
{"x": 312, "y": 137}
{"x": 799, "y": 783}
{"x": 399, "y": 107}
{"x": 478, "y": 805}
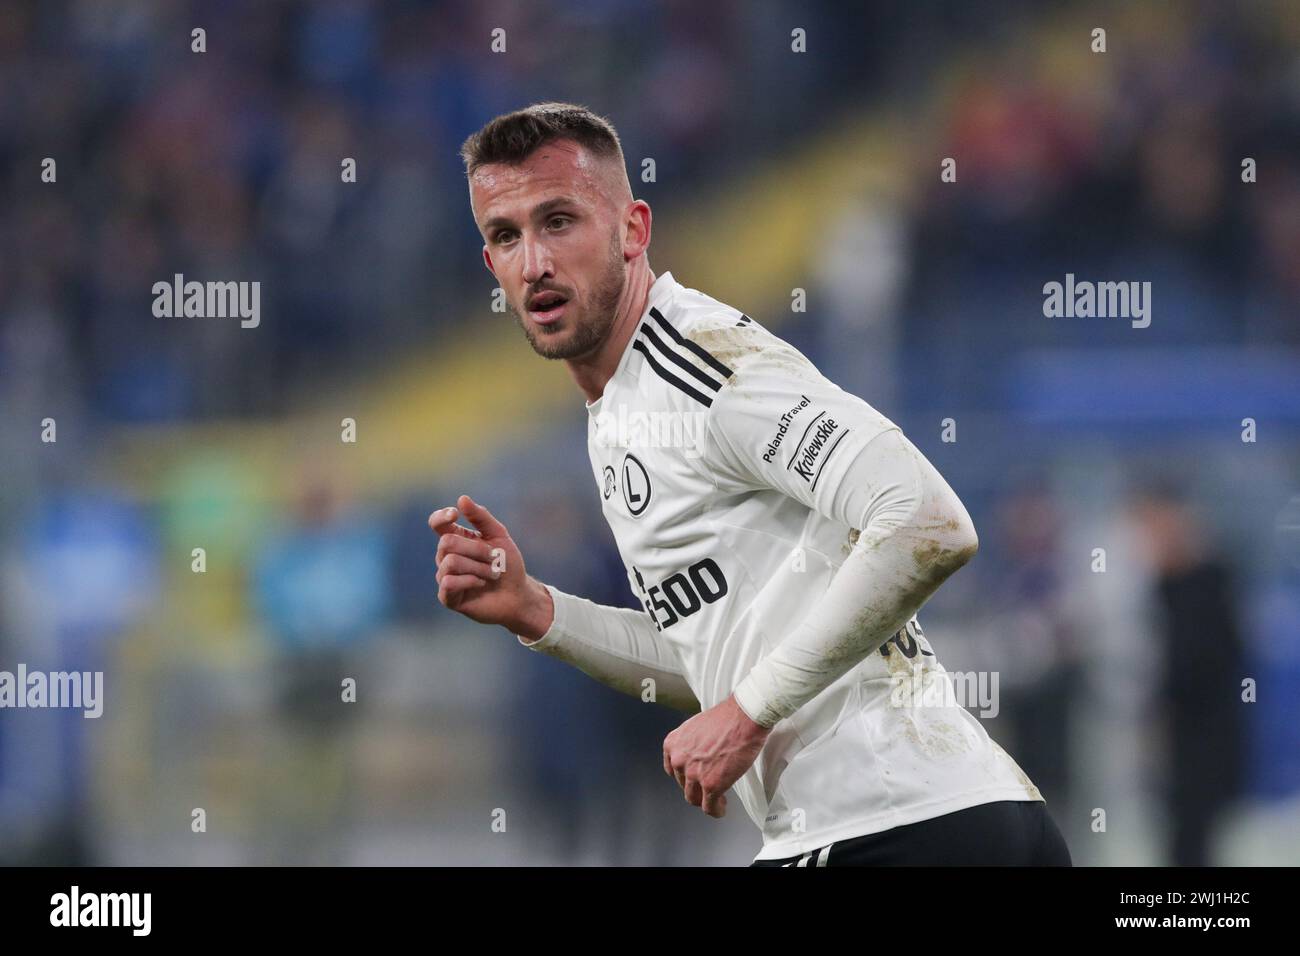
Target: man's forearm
{"x": 617, "y": 646}
{"x": 915, "y": 533}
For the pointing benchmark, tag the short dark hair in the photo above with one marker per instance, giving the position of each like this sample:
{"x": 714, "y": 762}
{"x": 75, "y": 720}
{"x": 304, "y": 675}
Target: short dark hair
{"x": 512, "y": 137}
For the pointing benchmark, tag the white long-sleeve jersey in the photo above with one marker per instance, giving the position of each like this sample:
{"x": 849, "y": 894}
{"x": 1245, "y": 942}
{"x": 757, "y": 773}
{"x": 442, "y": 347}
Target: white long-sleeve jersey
{"x": 780, "y": 534}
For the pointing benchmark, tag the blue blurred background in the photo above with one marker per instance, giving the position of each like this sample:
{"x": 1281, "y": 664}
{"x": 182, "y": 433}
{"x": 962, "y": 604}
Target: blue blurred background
{"x": 1120, "y": 690}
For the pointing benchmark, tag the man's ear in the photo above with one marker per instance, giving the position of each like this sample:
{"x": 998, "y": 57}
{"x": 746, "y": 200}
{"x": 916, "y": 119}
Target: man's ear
{"x": 487, "y": 261}
{"x": 639, "y": 221}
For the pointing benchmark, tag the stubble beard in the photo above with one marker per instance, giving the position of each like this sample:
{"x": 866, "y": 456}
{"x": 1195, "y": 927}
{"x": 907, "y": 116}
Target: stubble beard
{"x": 593, "y": 326}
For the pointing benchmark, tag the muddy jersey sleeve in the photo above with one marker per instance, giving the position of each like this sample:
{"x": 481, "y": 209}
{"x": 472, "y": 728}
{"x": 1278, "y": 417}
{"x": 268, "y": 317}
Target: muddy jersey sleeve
{"x": 780, "y": 425}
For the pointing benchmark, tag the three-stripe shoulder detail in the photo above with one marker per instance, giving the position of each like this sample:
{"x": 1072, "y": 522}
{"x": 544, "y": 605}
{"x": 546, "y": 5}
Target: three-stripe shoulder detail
{"x": 666, "y": 354}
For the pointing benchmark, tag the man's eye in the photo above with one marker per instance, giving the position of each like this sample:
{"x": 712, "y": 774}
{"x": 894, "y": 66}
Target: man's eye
{"x": 559, "y": 219}
{"x": 502, "y": 236}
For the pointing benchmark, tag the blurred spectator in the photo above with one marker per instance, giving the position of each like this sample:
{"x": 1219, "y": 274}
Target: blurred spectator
{"x": 1036, "y": 641}
{"x": 87, "y": 571}
{"x": 1201, "y": 694}
{"x": 322, "y": 590}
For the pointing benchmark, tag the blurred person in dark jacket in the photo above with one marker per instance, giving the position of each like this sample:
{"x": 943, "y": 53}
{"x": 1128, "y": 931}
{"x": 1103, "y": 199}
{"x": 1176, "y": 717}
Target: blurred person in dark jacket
{"x": 1203, "y": 665}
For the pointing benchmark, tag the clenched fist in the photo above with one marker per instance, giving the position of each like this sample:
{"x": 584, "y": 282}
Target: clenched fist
{"x": 711, "y": 751}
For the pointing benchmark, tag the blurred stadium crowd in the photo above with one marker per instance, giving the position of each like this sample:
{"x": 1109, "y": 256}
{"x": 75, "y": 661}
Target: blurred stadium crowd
{"x": 1120, "y": 689}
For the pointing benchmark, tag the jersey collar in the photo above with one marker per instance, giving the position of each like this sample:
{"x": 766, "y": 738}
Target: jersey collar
{"x": 661, "y": 292}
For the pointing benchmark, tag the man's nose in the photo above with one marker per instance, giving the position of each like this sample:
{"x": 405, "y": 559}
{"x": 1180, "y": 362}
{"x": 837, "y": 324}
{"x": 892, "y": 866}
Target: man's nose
{"x": 537, "y": 259}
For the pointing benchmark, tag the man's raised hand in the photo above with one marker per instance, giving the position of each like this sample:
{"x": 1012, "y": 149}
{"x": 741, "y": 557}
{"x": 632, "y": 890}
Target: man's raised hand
{"x": 481, "y": 572}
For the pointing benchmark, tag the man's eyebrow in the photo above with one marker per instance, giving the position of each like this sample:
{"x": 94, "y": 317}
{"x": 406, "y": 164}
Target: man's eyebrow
{"x": 539, "y": 211}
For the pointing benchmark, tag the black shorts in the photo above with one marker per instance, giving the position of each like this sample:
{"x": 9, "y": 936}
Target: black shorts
{"x": 1004, "y": 833}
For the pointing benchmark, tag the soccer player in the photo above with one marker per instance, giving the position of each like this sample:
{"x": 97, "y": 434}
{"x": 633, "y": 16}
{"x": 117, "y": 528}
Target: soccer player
{"x": 780, "y": 533}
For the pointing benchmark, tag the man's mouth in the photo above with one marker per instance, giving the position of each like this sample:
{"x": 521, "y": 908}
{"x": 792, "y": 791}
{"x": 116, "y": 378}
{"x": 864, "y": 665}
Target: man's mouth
{"x": 546, "y": 307}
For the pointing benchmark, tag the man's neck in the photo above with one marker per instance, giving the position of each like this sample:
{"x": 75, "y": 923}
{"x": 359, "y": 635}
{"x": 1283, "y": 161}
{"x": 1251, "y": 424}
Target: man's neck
{"x": 592, "y": 372}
